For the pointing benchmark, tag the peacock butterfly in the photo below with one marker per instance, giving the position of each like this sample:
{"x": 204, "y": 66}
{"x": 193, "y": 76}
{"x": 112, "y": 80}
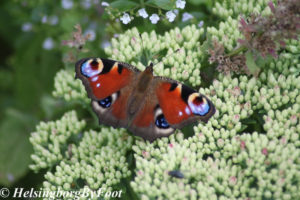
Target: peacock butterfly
{"x": 149, "y": 106}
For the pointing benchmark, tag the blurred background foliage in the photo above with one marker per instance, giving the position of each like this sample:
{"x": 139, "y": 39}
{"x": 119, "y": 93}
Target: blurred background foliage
{"x": 31, "y": 37}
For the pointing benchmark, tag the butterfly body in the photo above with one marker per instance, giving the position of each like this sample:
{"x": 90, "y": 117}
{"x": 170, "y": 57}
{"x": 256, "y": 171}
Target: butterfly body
{"x": 149, "y": 106}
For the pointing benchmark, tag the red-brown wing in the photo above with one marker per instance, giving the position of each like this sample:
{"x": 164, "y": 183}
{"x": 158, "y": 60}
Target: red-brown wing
{"x": 181, "y": 105}
{"x": 145, "y": 122}
{"x": 103, "y": 77}
{"x": 108, "y": 84}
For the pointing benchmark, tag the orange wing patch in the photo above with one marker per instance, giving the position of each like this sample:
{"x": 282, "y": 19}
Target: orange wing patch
{"x": 145, "y": 117}
{"x": 106, "y": 84}
{"x": 174, "y": 108}
{"x": 119, "y": 107}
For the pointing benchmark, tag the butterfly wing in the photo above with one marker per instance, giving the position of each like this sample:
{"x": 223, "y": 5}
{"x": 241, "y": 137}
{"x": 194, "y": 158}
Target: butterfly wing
{"x": 182, "y": 105}
{"x": 169, "y": 105}
{"x": 108, "y": 84}
{"x": 144, "y": 122}
{"x": 166, "y": 104}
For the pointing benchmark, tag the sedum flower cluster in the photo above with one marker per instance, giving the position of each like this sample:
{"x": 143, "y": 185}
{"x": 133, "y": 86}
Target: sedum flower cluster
{"x": 249, "y": 149}
{"x": 181, "y": 62}
{"x": 82, "y": 160}
{"x": 226, "y": 9}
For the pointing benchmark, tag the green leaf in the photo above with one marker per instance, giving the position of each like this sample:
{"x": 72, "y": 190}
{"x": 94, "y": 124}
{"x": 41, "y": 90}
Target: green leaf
{"x": 14, "y": 147}
{"x": 243, "y": 128}
{"x": 39, "y": 79}
{"x": 249, "y": 121}
{"x": 163, "y": 4}
{"x": 250, "y": 62}
{"x": 207, "y": 44}
{"x": 122, "y": 5}
{"x": 262, "y": 61}
{"x": 209, "y": 4}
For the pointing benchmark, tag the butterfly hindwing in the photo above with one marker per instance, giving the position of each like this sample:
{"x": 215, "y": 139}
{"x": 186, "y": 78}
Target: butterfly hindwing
{"x": 148, "y": 122}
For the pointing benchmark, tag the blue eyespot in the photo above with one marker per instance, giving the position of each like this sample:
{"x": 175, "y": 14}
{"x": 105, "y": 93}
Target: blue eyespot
{"x": 89, "y": 69}
{"x": 161, "y": 122}
{"x": 105, "y": 103}
{"x": 199, "y": 106}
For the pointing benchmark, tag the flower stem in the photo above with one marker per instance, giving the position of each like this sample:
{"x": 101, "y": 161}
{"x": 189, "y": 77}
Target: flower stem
{"x": 237, "y": 51}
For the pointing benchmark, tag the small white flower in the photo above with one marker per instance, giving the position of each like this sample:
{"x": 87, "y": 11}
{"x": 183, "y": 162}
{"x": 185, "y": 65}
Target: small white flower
{"x": 180, "y": 4}
{"x": 143, "y": 13}
{"x": 200, "y": 24}
{"x": 91, "y": 33}
{"x": 104, "y": 4}
{"x": 48, "y": 43}
{"x": 67, "y": 4}
{"x": 176, "y": 11}
{"x": 170, "y": 16}
{"x": 125, "y": 18}
{"x": 154, "y": 18}
{"x": 27, "y": 27}
{"x": 186, "y": 16}
{"x": 53, "y": 20}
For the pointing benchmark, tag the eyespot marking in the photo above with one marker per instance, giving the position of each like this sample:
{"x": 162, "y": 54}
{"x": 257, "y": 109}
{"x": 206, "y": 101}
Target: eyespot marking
{"x": 94, "y": 65}
{"x": 198, "y": 100}
{"x": 91, "y": 67}
{"x": 198, "y": 104}
{"x": 108, "y": 101}
{"x": 161, "y": 122}
{"x": 105, "y": 103}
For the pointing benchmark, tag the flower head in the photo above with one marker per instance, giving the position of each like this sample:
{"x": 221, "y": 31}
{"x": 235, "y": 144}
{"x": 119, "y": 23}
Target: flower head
{"x": 48, "y": 43}
{"x": 67, "y": 4}
{"x": 154, "y": 18}
{"x": 104, "y": 4}
{"x": 200, "y": 24}
{"x": 180, "y": 4}
{"x": 90, "y": 35}
{"x": 53, "y": 20}
{"x": 125, "y": 18}
{"x": 44, "y": 19}
{"x": 143, "y": 13}
{"x": 27, "y": 27}
{"x": 170, "y": 16}
{"x": 78, "y": 39}
{"x": 187, "y": 16}
{"x": 105, "y": 44}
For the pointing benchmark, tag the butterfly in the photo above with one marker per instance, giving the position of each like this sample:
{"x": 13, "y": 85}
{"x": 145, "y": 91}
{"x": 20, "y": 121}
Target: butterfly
{"x": 148, "y": 106}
